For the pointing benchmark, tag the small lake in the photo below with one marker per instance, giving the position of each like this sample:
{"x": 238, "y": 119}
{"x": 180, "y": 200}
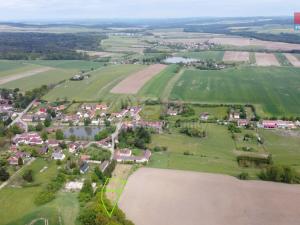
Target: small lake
{"x": 82, "y": 132}
{"x": 174, "y": 60}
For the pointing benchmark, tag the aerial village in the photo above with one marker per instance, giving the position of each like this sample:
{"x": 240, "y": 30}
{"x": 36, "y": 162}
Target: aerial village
{"x": 57, "y": 144}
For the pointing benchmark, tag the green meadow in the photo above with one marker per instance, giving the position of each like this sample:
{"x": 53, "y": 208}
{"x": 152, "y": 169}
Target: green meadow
{"x": 18, "y": 207}
{"x": 275, "y": 90}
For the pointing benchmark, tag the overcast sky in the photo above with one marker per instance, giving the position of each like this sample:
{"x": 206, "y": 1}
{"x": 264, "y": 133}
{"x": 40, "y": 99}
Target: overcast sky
{"x": 91, "y": 9}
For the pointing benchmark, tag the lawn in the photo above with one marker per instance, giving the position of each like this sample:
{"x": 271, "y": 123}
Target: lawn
{"x": 95, "y": 87}
{"x": 211, "y": 154}
{"x": 204, "y": 55}
{"x": 17, "y": 203}
{"x": 151, "y": 112}
{"x": 275, "y": 90}
{"x": 284, "y": 148}
{"x": 155, "y": 87}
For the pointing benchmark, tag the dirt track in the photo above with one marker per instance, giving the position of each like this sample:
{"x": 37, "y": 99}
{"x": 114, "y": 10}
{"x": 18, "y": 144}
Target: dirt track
{"x": 293, "y": 59}
{"x": 230, "y": 56}
{"x": 133, "y": 83}
{"x": 24, "y": 74}
{"x": 169, "y": 197}
{"x": 266, "y": 59}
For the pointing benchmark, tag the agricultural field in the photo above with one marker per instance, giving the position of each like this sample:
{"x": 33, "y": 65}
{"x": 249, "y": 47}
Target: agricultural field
{"x": 59, "y": 70}
{"x": 266, "y": 59}
{"x": 183, "y": 197}
{"x": 274, "y": 90}
{"x": 293, "y": 59}
{"x": 156, "y": 86}
{"x": 133, "y": 83}
{"x": 124, "y": 44}
{"x": 95, "y": 87}
{"x": 235, "y": 56}
{"x": 204, "y": 55}
{"x": 8, "y": 67}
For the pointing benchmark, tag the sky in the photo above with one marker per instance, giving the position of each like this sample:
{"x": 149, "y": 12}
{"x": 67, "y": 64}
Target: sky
{"x": 18, "y": 10}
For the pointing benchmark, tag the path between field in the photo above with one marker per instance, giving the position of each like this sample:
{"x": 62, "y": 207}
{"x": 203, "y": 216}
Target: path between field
{"x": 133, "y": 83}
{"x": 167, "y": 91}
{"x": 16, "y": 173}
{"x": 30, "y": 73}
{"x": 161, "y": 197}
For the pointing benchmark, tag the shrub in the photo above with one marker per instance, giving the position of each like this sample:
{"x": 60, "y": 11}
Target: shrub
{"x": 243, "y": 176}
{"x": 284, "y": 174}
{"x": 28, "y": 176}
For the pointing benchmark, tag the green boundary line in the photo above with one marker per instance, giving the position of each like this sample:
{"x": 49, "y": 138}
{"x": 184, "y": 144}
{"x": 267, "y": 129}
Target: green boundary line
{"x": 118, "y": 191}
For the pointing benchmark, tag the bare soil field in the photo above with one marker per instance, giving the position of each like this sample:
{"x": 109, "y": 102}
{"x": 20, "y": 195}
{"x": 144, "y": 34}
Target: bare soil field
{"x": 240, "y": 42}
{"x": 231, "y": 56}
{"x": 266, "y": 59}
{"x": 293, "y": 59}
{"x": 24, "y": 74}
{"x": 163, "y": 197}
{"x": 133, "y": 83}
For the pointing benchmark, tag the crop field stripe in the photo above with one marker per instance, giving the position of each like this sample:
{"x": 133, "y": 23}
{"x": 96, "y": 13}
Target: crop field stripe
{"x": 133, "y": 83}
{"x": 168, "y": 89}
{"x": 24, "y": 74}
{"x": 156, "y": 86}
{"x": 292, "y": 59}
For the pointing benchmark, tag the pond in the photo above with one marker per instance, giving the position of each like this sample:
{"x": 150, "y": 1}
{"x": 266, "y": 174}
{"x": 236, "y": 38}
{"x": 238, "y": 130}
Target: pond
{"x": 82, "y": 132}
{"x": 174, "y": 60}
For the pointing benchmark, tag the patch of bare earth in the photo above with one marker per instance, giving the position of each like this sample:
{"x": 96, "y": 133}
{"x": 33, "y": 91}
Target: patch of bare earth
{"x": 24, "y": 74}
{"x": 117, "y": 180}
{"x": 169, "y": 197}
{"x": 266, "y": 59}
{"x": 232, "y": 56}
{"x": 133, "y": 83}
{"x": 240, "y": 41}
{"x": 293, "y": 59}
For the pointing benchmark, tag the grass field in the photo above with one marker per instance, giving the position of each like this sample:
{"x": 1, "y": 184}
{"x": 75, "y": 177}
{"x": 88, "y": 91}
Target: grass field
{"x": 204, "y": 55}
{"x": 211, "y": 154}
{"x": 275, "y": 90}
{"x": 95, "y": 87}
{"x": 17, "y": 203}
{"x": 284, "y": 148}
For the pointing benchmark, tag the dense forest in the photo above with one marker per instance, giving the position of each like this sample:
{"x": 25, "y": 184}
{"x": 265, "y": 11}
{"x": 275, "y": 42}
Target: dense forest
{"x": 47, "y": 45}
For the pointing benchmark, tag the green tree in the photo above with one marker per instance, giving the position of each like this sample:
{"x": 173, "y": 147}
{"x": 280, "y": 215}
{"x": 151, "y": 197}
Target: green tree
{"x": 73, "y": 138}
{"x": 20, "y": 161}
{"x": 28, "y": 176}
{"x": 44, "y": 135}
{"x": 47, "y": 122}
{"x": 59, "y": 134}
{"x": 4, "y": 175}
{"x": 39, "y": 127}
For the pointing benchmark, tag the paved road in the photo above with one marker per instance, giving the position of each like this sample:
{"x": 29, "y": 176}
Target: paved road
{"x": 18, "y": 119}
{"x": 115, "y": 136}
{"x": 16, "y": 173}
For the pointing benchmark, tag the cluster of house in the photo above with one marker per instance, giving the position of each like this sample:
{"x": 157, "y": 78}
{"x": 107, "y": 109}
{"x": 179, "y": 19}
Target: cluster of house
{"x": 87, "y": 111}
{"x": 125, "y": 156}
{"x": 189, "y": 45}
{"x": 133, "y": 112}
{"x": 6, "y": 110}
{"x": 272, "y": 124}
{"x": 41, "y": 113}
{"x": 157, "y": 126}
